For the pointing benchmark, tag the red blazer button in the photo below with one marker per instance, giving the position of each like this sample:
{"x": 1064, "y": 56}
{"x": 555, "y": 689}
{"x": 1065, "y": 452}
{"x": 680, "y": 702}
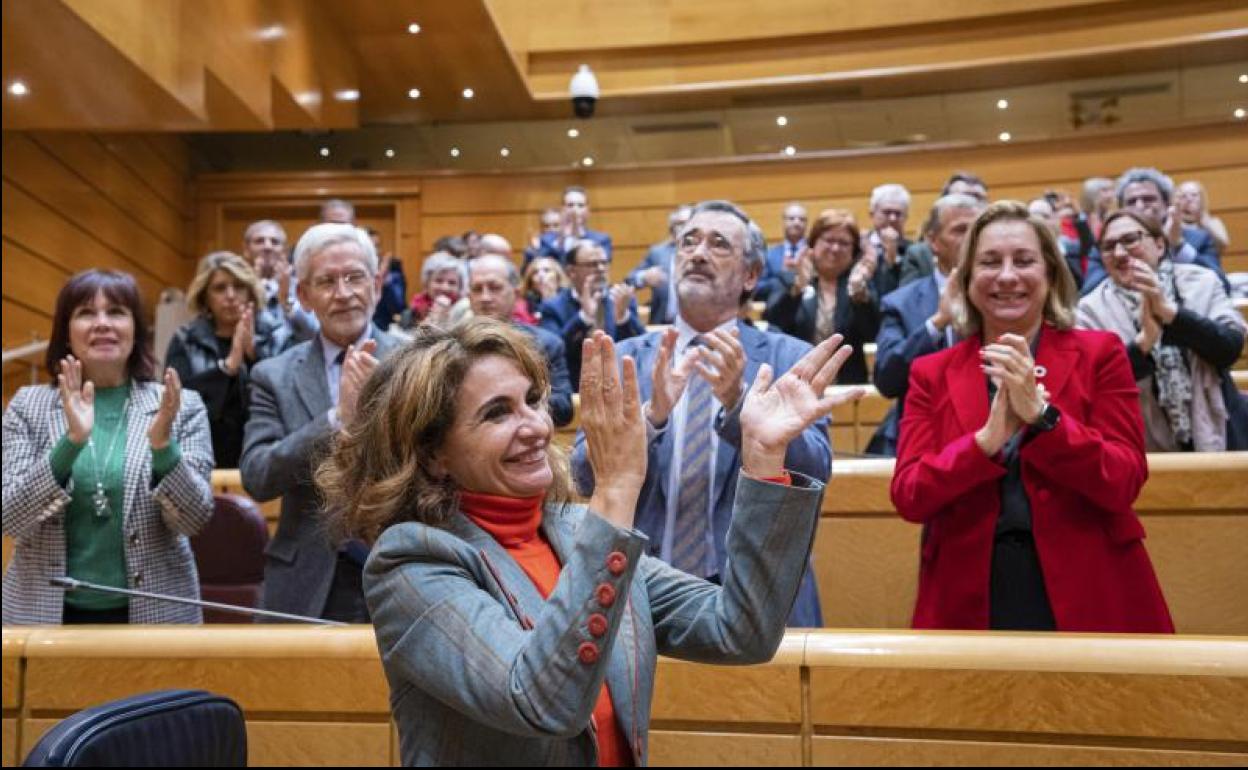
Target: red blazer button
{"x": 617, "y": 562}
{"x": 606, "y": 594}
{"x": 597, "y": 624}
{"x": 588, "y": 653}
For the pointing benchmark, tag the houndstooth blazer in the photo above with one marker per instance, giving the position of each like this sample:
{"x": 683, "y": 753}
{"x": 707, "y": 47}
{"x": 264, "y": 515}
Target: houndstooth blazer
{"x": 157, "y": 520}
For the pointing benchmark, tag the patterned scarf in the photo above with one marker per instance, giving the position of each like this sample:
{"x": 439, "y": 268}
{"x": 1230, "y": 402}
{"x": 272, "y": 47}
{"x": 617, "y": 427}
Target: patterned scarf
{"x": 1171, "y": 375}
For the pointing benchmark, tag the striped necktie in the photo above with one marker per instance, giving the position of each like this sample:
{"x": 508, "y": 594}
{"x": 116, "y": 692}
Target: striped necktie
{"x": 691, "y": 549}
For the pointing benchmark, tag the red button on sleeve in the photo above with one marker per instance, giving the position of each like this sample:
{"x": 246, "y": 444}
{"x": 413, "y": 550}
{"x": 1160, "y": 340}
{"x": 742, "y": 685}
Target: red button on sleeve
{"x": 588, "y": 653}
{"x": 617, "y": 562}
{"x": 597, "y": 624}
{"x": 606, "y": 594}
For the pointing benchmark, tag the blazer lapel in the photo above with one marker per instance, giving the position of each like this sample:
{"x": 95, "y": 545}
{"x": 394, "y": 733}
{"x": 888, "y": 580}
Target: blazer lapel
{"x": 144, "y": 404}
{"x": 1056, "y": 358}
{"x": 967, "y": 387}
{"x": 310, "y": 381}
{"x": 500, "y": 567}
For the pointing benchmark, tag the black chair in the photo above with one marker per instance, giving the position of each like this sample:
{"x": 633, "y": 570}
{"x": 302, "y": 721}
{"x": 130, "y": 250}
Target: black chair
{"x": 171, "y": 728}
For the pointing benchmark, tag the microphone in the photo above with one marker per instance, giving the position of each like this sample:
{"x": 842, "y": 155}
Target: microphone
{"x": 73, "y": 584}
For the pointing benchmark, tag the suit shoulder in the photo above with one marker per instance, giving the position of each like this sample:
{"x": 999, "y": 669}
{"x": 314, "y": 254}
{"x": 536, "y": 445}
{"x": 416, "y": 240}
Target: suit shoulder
{"x": 270, "y": 368}
{"x": 899, "y": 298}
{"x": 33, "y": 398}
{"x": 632, "y": 345}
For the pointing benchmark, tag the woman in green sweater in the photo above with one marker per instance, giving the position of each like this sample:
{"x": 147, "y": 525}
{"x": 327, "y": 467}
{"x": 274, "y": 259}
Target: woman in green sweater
{"x": 106, "y": 473}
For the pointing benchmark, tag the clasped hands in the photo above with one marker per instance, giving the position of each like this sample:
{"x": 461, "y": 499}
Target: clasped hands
{"x": 1156, "y": 310}
{"x": 1019, "y": 400}
{"x": 774, "y": 411}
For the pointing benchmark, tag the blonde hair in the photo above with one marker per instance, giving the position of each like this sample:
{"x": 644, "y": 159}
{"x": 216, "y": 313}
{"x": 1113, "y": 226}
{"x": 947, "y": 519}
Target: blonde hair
{"x": 380, "y": 472}
{"x": 530, "y": 275}
{"x": 231, "y": 263}
{"x": 1059, "y": 305}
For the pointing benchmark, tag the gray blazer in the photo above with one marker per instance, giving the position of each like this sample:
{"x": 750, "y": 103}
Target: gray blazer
{"x": 157, "y": 520}
{"x": 470, "y": 684}
{"x": 287, "y": 434}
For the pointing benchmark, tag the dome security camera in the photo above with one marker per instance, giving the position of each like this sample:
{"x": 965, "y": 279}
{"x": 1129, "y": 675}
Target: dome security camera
{"x": 584, "y": 89}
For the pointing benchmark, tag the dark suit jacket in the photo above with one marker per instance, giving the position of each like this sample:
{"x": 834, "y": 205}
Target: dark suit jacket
{"x": 561, "y": 316}
{"x": 287, "y": 434}
{"x": 917, "y": 262}
{"x": 557, "y": 364}
{"x": 551, "y": 245}
{"x": 857, "y": 322}
{"x": 810, "y": 454}
{"x": 1081, "y": 479}
{"x": 662, "y": 256}
{"x": 903, "y": 337}
{"x": 773, "y": 269}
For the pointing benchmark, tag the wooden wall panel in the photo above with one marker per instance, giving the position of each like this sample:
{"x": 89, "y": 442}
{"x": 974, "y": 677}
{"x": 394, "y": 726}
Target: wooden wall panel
{"x": 850, "y": 751}
{"x": 76, "y": 201}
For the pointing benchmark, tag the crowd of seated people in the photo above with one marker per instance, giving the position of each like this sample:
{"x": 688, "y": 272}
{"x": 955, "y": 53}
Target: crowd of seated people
{"x": 270, "y": 372}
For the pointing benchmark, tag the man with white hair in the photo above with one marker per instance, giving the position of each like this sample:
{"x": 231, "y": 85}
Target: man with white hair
{"x": 493, "y": 281}
{"x": 890, "y": 207}
{"x": 299, "y": 400}
{"x": 338, "y": 211}
{"x": 264, "y": 246}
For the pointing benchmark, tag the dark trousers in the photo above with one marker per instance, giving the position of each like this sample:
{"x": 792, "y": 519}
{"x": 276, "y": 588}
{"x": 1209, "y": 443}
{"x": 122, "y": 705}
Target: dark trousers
{"x": 1018, "y": 600}
{"x": 73, "y": 616}
{"x": 345, "y": 602}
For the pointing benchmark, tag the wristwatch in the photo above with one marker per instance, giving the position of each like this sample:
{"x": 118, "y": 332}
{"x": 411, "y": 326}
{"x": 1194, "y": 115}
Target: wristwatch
{"x": 1047, "y": 420}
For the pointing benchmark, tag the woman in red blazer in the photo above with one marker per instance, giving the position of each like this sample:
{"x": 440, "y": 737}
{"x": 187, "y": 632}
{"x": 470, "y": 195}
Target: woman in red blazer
{"x": 1021, "y": 452}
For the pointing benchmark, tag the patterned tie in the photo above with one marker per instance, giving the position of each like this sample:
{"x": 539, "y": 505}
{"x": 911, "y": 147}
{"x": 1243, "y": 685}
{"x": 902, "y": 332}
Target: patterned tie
{"x": 689, "y": 551}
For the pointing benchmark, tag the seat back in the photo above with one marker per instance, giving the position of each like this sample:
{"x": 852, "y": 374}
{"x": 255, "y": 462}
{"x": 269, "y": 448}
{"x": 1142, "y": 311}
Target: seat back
{"x": 171, "y": 728}
{"x": 229, "y": 554}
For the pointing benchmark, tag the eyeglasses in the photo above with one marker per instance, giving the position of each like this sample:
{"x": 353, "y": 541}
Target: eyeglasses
{"x": 1128, "y": 242}
{"x": 837, "y": 243}
{"x": 327, "y": 284}
{"x": 716, "y": 244}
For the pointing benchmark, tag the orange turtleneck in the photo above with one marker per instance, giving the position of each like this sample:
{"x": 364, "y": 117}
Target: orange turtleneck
{"x": 515, "y": 522}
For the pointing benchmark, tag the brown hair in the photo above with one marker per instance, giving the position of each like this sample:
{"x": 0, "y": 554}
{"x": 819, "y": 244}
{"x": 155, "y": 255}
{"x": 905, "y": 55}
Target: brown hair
{"x": 1059, "y": 306}
{"x": 380, "y": 471}
{"x": 829, "y": 219}
{"x": 530, "y": 275}
{"x": 1150, "y": 225}
{"x": 80, "y": 290}
{"x": 231, "y": 263}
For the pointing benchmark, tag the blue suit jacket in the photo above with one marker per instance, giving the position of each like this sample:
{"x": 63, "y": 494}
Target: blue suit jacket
{"x": 560, "y": 403}
{"x": 810, "y": 454}
{"x": 902, "y": 338}
{"x": 773, "y": 268}
{"x": 550, "y": 245}
{"x": 561, "y": 316}
{"x": 662, "y": 256}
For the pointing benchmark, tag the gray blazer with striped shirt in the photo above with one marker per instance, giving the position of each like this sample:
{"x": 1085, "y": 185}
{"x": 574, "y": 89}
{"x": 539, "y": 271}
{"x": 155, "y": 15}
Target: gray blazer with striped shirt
{"x": 157, "y": 521}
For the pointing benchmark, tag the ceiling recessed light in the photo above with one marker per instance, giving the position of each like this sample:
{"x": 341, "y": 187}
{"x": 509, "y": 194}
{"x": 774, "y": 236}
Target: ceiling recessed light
{"x": 413, "y": 93}
{"x": 413, "y": 28}
{"x": 18, "y": 88}
{"x": 1243, "y": 78}
{"x": 1003, "y": 104}
{"x": 454, "y": 152}
{"x": 587, "y": 161}
{"x": 573, "y": 133}
{"x": 1004, "y": 136}
{"x": 504, "y": 152}
{"x": 782, "y": 121}
{"x": 1239, "y": 113}
{"x": 347, "y": 95}
{"x": 790, "y": 151}
{"x": 324, "y": 152}
{"x": 272, "y": 32}
{"x": 469, "y": 93}
{"x": 389, "y": 152}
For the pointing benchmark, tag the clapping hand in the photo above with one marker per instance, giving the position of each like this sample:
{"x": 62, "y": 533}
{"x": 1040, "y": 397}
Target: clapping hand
{"x": 622, "y": 302}
{"x": 614, "y": 433}
{"x": 776, "y": 412}
{"x": 721, "y": 362}
{"x": 77, "y": 399}
{"x": 170, "y": 403}
{"x": 357, "y": 367}
{"x": 668, "y": 381}
{"x": 1144, "y": 280}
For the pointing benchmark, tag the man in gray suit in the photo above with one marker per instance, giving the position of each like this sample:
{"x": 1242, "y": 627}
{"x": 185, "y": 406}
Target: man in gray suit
{"x": 299, "y": 401}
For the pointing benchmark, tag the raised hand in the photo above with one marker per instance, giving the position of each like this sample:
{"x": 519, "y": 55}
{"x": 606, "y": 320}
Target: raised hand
{"x": 1150, "y": 327}
{"x": 77, "y": 399}
{"x": 721, "y": 362}
{"x": 944, "y": 310}
{"x": 792, "y": 263}
{"x": 614, "y": 433}
{"x": 803, "y": 271}
{"x": 357, "y": 367}
{"x": 170, "y": 403}
{"x": 667, "y": 381}
{"x": 889, "y": 238}
{"x": 282, "y": 271}
{"x": 622, "y": 302}
{"x": 439, "y": 311}
{"x": 1001, "y": 425}
{"x": 1144, "y": 280}
{"x": 243, "y": 344}
{"x": 775, "y": 413}
{"x": 1008, "y": 361}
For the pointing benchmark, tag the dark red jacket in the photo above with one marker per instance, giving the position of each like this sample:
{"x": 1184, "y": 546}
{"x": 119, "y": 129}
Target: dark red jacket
{"x": 1081, "y": 479}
